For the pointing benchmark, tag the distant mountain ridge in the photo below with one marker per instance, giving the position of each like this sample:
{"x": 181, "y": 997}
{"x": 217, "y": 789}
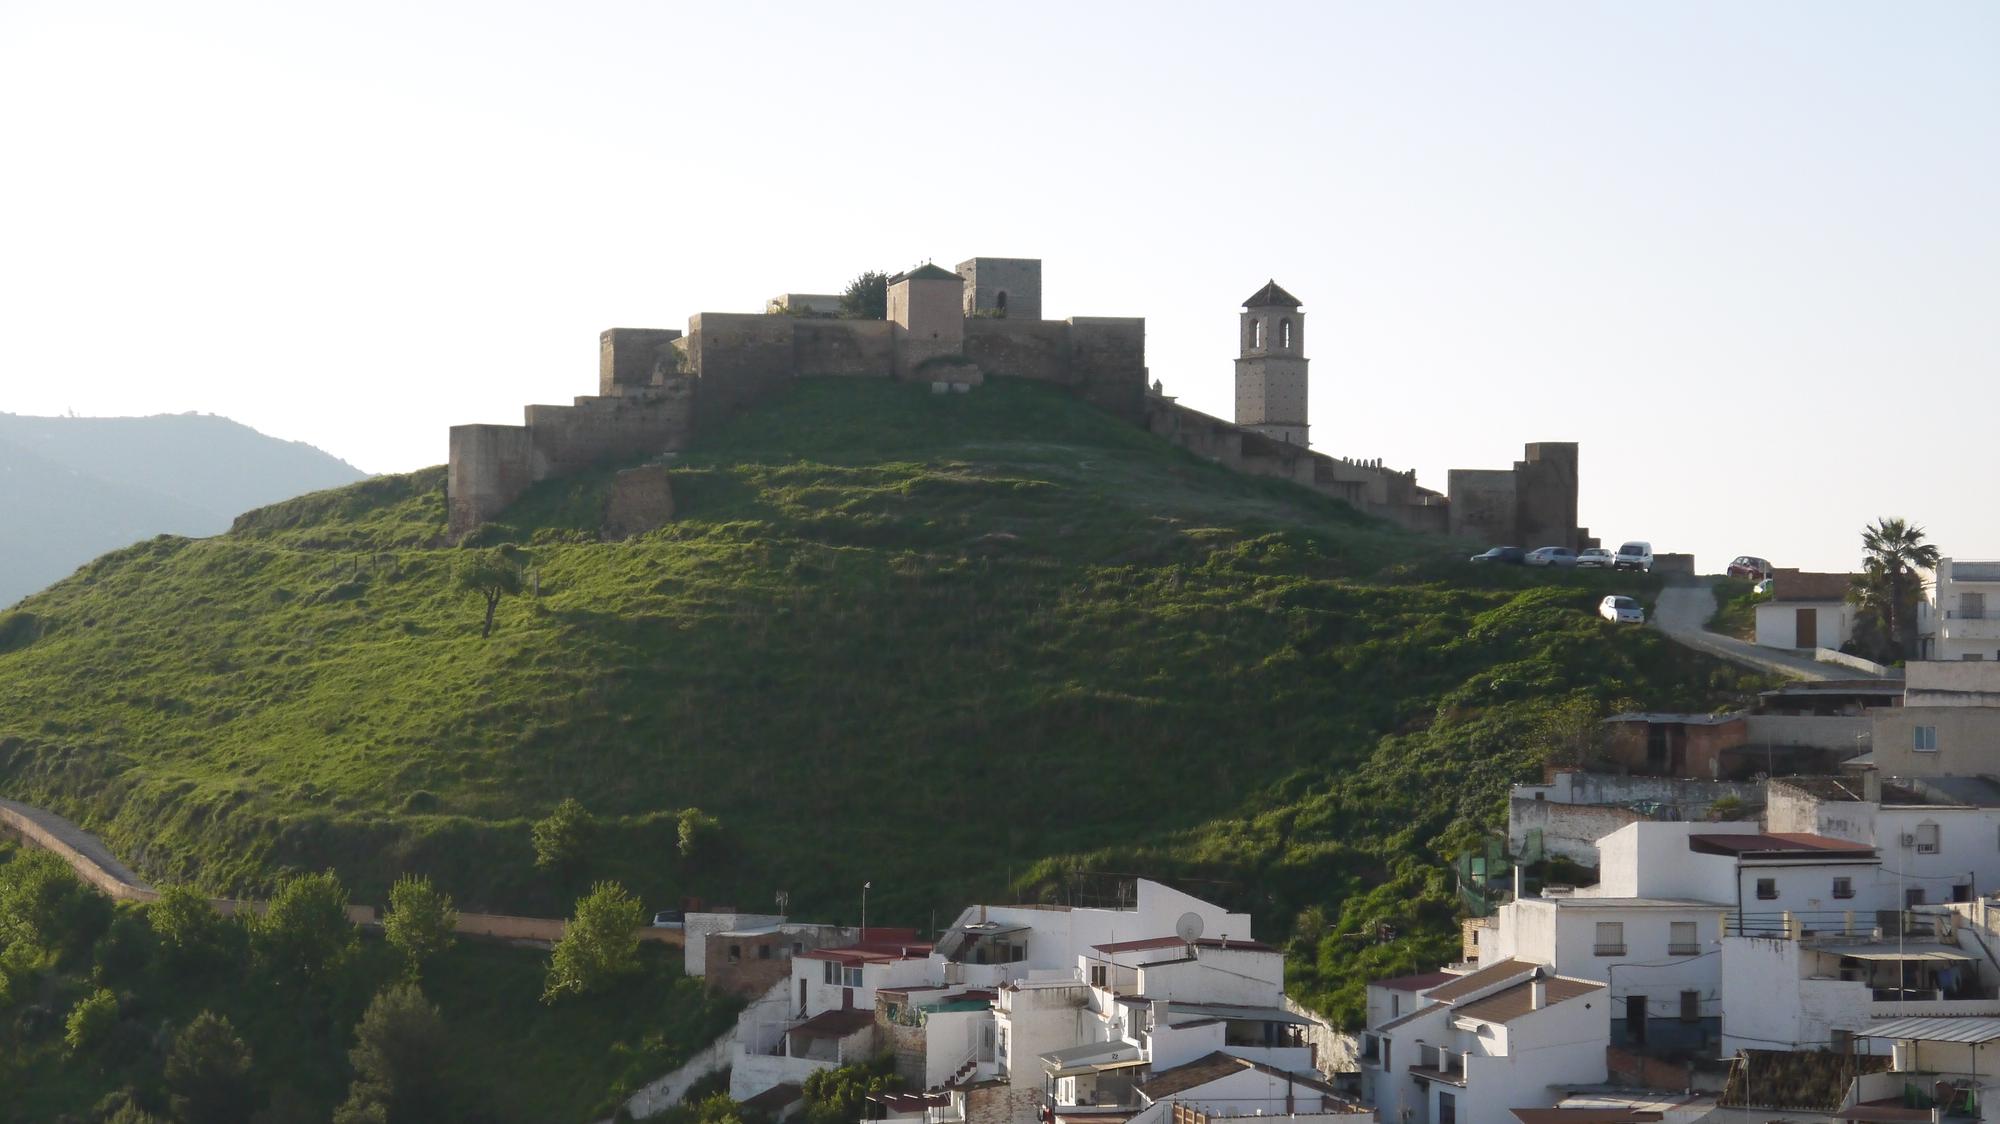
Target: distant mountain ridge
{"x": 73, "y": 488}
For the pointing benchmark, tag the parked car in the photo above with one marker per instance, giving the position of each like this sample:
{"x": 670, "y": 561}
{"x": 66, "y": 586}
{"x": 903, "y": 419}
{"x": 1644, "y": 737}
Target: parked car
{"x": 1621, "y": 610}
{"x": 1747, "y": 566}
{"x": 1552, "y": 556}
{"x": 668, "y": 919}
{"x": 1510, "y": 555}
{"x": 1635, "y": 556}
{"x": 1596, "y": 558}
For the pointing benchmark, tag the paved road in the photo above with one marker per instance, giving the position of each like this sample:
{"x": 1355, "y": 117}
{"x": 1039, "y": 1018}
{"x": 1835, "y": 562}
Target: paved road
{"x": 1684, "y": 606}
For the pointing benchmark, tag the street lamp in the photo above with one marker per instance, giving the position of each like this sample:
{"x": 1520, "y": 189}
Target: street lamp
{"x": 865, "y": 887}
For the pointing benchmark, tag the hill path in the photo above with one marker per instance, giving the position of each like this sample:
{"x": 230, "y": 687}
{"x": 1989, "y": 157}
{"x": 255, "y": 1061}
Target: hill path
{"x": 97, "y": 866}
{"x": 1683, "y": 609}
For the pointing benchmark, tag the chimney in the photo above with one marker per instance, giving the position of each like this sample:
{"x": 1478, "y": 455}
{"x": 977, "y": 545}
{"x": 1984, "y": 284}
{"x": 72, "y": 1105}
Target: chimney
{"x": 1538, "y": 991}
{"x": 1871, "y": 786}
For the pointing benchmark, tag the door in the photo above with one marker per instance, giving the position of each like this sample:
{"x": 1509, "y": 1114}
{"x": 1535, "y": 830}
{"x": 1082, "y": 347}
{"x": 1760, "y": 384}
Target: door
{"x": 1635, "y": 1019}
{"x": 1808, "y": 628}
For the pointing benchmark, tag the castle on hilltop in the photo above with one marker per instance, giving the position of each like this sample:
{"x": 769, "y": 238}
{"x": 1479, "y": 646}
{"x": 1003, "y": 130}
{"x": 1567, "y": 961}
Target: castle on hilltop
{"x": 952, "y": 330}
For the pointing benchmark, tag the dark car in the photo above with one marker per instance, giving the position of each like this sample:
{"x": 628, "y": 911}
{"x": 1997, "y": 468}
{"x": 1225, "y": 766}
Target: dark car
{"x": 1745, "y": 566}
{"x": 1511, "y": 555}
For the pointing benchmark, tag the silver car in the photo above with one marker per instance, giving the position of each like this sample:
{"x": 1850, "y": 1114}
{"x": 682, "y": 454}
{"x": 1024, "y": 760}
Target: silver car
{"x": 1552, "y": 556}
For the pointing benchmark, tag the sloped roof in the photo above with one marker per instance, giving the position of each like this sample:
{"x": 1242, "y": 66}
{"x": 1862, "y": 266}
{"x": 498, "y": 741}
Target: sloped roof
{"x": 1271, "y": 296}
{"x": 1505, "y": 1006}
{"x": 1483, "y": 978}
{"x": 1147, "y": 944}
{"x": 835, "y": 1024}
{"x": 1799, "y": 585}
{"x": 927, "y": 272}
{"x": 1414, "y": 983}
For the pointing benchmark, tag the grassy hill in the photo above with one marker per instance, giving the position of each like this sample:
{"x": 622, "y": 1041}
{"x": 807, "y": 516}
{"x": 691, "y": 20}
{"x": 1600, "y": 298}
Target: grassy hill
{"x": 954, "y": 645}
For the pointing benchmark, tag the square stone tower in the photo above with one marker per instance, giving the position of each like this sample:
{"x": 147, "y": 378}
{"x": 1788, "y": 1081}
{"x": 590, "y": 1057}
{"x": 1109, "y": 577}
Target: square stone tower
{"x": 1271, "y": 366}
{"x": 925, "y": 305}
{"x": 1010, "y": 287}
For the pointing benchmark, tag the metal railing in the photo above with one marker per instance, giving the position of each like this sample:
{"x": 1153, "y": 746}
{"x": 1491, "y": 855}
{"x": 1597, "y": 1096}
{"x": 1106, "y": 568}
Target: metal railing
{"x": 1609, "y": 950}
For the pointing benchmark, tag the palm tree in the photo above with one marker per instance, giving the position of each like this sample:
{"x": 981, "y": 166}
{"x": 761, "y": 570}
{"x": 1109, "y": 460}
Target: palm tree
{"x": 1889, "y": 584}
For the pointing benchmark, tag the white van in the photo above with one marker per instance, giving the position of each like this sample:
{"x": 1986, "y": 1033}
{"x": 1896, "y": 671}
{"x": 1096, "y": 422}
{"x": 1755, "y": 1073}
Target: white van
{"x": 1635, "y": 556}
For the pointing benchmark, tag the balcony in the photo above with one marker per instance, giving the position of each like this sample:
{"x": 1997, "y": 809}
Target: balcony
{"x": 1435, "y": 1063}
{"x": 1971, "y": 624}
{"x": 1608, "y": 950}
{"x": 1683, "y": 950}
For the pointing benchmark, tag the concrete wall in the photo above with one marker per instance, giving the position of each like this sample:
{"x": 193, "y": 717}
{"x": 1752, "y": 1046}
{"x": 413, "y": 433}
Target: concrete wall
{"x": 1778, "y": 626}
{"x": 1835, "y": 732}
{"x": 1966, "y": 740}
{"x": 1973, "y": 683}
{"x": 1570, "y": 831}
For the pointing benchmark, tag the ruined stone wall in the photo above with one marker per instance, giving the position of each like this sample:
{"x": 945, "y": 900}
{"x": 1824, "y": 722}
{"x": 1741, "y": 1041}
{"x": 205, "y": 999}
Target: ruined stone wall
{"x": 739, "y": 358}
{"x": 490, "y": 466}
{"x": 1483, "y": 505}
{"x": 1108, "y": 363}
{"x": 908, "y": 1045}
{"x": 635, "y": 357}
{"x": 1545, "y": 496}
{"x": 856, "y": 348}
{"x": 1021, "y": 349}
{"x": 596, "y": 430}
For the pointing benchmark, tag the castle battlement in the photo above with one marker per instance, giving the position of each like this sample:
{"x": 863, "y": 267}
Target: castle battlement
{"x": 656, "y": 388}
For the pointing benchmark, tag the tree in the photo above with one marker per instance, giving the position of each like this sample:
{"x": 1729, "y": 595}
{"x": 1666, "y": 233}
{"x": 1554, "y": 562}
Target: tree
{"x": 208, "y": 1073}
{"x": 91, "y": 1022}
{"x": 562, "y": 841}
{"x": 43, "y": 903}
{"x": 420, "y": 921}
{"x": 129, "y": 1113}
{"x": 306, "y": 931}
{"x": 699, "y": 832}
{"x": 837, "y": 1096}
{"x": 400, "y": 1048}
{"x": 1569, "y": 734}
{"x": 1890, "y": 585}
{"x": 189, "y": 928}
{"x": 491, "y": 573}
{"x": 600, "y": 944}
{"x": 866, "y": 297}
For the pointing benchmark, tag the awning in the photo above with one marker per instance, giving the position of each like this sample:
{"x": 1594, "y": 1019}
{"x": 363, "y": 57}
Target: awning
{"x": 1975, "y": 1029}
{"x": 1092, "y": 1057}
{"x": 1891, "y": 952}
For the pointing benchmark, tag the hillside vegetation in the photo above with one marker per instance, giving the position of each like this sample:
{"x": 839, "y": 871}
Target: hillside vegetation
{"x": 953, "y": 645}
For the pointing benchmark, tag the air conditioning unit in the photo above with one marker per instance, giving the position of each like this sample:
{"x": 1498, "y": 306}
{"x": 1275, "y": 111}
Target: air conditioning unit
{"x": 1907, "y": 839}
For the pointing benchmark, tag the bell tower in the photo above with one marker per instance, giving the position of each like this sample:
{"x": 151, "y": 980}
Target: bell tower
{"x": 1271, "y": 366}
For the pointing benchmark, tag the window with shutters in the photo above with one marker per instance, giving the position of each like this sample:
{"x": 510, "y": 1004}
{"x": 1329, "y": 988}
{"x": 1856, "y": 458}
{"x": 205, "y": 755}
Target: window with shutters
{"x": 1681, "y": 939}
{"x": 1610, "y": 938}
{"x": 1927, "y": 839}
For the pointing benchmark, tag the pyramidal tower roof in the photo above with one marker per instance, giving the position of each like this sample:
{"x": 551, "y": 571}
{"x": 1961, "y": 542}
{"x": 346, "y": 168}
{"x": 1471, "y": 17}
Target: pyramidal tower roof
{"x": 1271, "y": 296}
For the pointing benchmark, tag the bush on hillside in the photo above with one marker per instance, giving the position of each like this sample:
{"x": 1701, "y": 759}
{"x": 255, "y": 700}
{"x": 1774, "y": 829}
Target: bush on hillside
{"x": 563, "y": 838}
{"x": 305, "y": 933}
{"x": 420, "y": 921}
{"x": 208, "y": 1073}
{"x": 600, "y": 944}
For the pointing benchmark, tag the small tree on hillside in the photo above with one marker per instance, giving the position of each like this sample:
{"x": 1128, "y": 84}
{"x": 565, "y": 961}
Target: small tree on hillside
{"x": 400, "y": 1047}
{"x": 420, "y": 922}
{"x": 208, "y": 1073}
{"x": 1889, "y": 586}
{"x": 866, "y": 297}
{"x": 305, "y": 932}
{"x": 492, "y": 574}
{"x": 44, "y": 904}
{"x": 600, "y": 944}
{"x": 189, "y": 928}
{"x": 700, "y": 833}
{"x": 563, "y": 839}
{"x": 91, "y": 1023}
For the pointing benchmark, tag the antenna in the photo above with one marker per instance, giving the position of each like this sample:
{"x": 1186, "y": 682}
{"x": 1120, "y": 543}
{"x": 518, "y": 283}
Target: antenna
{"x": 1188, "y": 928}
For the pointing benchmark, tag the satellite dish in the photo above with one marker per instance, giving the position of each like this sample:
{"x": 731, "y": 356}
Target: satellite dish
{"x": 1188, "y": 928}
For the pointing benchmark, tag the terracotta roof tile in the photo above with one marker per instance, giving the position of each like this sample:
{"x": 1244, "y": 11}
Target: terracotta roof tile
{"x": 1484, "y": 978}
{"x": 1505, "y": 1006}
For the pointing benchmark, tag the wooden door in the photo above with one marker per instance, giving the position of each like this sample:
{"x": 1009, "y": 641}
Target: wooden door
{"x": 1808, "y": 628}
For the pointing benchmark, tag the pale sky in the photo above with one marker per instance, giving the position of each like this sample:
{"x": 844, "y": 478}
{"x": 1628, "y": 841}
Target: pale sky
{"x": 1747, "y": 254}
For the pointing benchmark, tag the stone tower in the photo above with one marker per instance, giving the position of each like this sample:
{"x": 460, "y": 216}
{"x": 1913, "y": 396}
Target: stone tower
{"x": 1009, "y": 287}
{"x": 1271, "y": 368}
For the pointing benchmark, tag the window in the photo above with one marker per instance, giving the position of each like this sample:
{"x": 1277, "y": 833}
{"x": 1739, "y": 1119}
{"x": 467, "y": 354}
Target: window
{"x": 735, "y": 953}
{"x": 763, "y": 952}
{"x": 832, "y": 974}
{"x": 798, "y": 947}
{"x": 1395, "y": 1005}
{"x": 1924, "y": 739}
{"x": 1285, "y": 332}
{"x": 1000, "y": 300}
{"x": 1767, "y": 889}
{"x": 1690, "y": 1006}
{"x": 853, "y": 978}
{"x": 1913, "y": 896}
{"x": 1610, "y": 938}
{"x": 1447, "y": 1109}
{"x": 1097, "y": 975}
{"x": 1681, "y": 939}
{"x": 1927, "y": 839}
{"x": 1256, "y": 333}
{"x": 1843, "y": 887}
